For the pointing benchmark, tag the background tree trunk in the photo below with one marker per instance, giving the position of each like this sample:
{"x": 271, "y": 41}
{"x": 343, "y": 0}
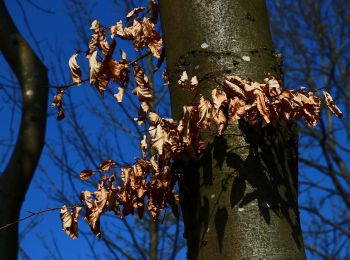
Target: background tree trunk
{"x": 15, "y": 179}
{"x": 240, "y": 200}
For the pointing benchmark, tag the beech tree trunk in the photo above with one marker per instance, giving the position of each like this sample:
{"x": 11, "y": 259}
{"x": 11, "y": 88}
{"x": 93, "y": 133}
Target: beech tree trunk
{"x": 15, "y": 179}
{"x": 240, "y": 201}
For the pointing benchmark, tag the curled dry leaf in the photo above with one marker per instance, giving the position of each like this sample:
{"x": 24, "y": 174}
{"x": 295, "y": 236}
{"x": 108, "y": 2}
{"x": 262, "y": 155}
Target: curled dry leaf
{"x": 106, "y": 165}
{"x": 86, "y": 174}
{"x": 74, "y": 69}
{"x": 187, "y": 126}
{"x": 151, "y": 38}
{"x": 236, "y": 109}
{"x": 123, "y": 55}
{"x": 69, "y": 220}
{"x": 219, "y": 98}
{"x": 140, "y": 76}
{"x": 155, "y": 119}
{"x": 58, "y": 98}
{"x": 143, "y": 94}
{"x": 134, "y": 12}
{"x": 118, "y": 71}
{"x": 92, "y": 217}
{"x": 95, "y": 25}
{"x": 273, "y": 88}
{"x": 159, "y": 139}
{"x": 143, "y": 90}
{"x": 119, "y": 30}
{"x": 98, "y": 39}
{"x": 310, "y": 106}
{"x": 234, "y": 90}
{"x": 331, "y": 105}
{"x": 119, "y": 95}
{"x": 95, "y": 67}
{"x": 102, "y": 43}
{"x": 143, "y": 146}
{"x": 262, "y": 105}
{"x": 86, "y": 197}
{"x": 205, "y": 109}
{"x": 142, "y": 113}
{"x": 58, "y": 102}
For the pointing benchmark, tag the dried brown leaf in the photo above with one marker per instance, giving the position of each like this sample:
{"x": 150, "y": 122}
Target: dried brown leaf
{"x": 119, "y": 95}
{"x": 58, "y": 102}
{"x": 92, "y": 217}
{"x": 86, "y": 174}
{"x": 143, "y": 89}
{"x": 234, "y": 90}
{"x": 310, "y": 106}
{"x": 102, "y": 43}
{"x": 95, "y": 26}
{"x": 143, "y": 146}
{"x": 85, "y": 196}
{"x": 159, "y": 138}
{"x": 142, "y": 113}
{"x": 95, "y": 67}
{"x": 134, "y": 12}
{"x": 262, "y": 106}
{"x": 143, "y": 94}
{"x": 205, "y": 109}
{"x": 75, "y": 70}
{"x": 106, "y": 165}
{"x": 118, "y": 30}
{"x": 331, "y": 105}
{"x": 273, "y": 88}
{"x": 236, "y": 109}
{"x": 219, "y": 98}
{"x": 69, "y": 220}
{"x": 150, "y": 38}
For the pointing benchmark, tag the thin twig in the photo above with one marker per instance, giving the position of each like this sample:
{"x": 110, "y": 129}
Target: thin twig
{"x": 32, "y": 214}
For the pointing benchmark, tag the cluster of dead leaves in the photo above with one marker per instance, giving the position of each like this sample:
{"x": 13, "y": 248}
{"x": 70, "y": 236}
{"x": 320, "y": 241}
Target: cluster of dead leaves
{"x": 256, "y": 103}
{"x": 103, "y": 68}
{"x": 268, "y": 103}
{"x": 146, "y": 183}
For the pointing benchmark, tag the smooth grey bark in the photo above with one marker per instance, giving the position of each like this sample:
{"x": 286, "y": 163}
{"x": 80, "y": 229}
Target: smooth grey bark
{"x": 15, "y": 180}
{"x": 240, "y": 200}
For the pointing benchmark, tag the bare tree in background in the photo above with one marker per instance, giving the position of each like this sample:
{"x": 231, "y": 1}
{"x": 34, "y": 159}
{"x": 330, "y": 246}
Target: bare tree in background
{"x": 314, "y": 37}
{"x": 14, "y": 181}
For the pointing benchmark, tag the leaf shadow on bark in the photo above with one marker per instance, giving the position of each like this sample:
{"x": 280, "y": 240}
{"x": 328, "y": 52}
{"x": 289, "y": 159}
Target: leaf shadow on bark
{"x": 268, "y": 175}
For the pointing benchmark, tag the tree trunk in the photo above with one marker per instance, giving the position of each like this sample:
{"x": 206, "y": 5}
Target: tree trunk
{"x": 15, "y": 180}
{"x": 240, "y": 200}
